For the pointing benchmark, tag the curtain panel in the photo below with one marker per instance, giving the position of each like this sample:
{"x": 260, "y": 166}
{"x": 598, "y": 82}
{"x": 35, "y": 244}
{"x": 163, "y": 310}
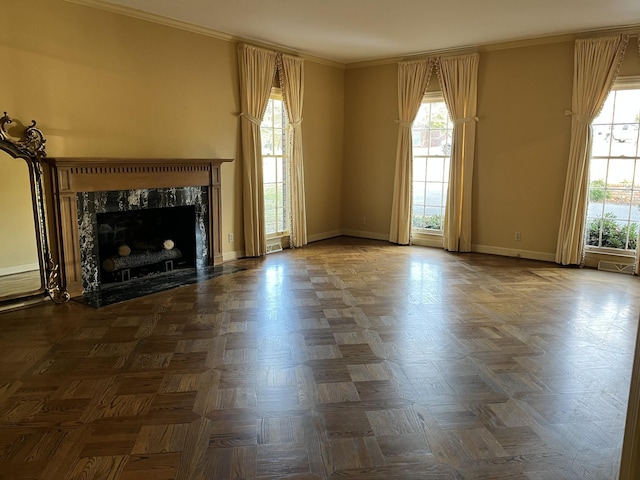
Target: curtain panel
{"x": 292, "y": 83}
{"x": 459, "y": 82}
{"x": 596, "y": 64}
{"x": 257, "y": 69}
{"x": 413, "y": 79}
{"x": 636, "y": 270}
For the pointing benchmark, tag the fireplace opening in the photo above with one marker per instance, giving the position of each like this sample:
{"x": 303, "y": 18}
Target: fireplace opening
{"x": 138, "y": 243}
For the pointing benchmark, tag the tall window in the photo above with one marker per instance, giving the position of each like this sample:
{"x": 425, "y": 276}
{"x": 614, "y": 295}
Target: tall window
{"x": 275, "y": 165}
{"x": 432, "y": 135}
{"x": 614, "y": 173}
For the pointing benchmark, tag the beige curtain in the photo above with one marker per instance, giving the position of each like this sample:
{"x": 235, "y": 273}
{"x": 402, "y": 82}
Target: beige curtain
{"x": 292, "y": 83}
{"x": 596, "y": 63}
{"x": 459, "y": 80}
{"x": 636, "y": 271}
{"x": 413, "y": 79}
{"x": 257, "y": 68}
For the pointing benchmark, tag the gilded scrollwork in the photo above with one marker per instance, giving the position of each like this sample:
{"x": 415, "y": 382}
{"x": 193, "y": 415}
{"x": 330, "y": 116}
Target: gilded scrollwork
{"x": 57, "y": 294}
{"x": 32, "y": 143}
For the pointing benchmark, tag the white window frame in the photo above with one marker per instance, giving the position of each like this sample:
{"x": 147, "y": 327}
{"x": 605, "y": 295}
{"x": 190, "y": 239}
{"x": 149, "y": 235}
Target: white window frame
{"x": 423, "y": 236}
{"x": 622, "y": 83}
{"x": 284, "y": 178}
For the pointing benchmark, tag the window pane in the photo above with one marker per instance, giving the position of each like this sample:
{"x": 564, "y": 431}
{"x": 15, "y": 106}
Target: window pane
{"x": 435, "y": 169}
{"x": 279, "y": 168}
{"x": 270, "y": 196}
{"x": 282, "y": 221}
{"x": 435, "y": 195}
{"x": 418, "y": 194}
{"x": 269, "y": 169}
{"x": 624, "y": 140}
{"x": 270, "y": 222}
{"x": 278, "y": 141}
{"x": 613, "y": 211}
{"x": 275, "y": 180}
{"x": 419, "y": 168}
{"x": 266, "y": 135}
{"x": 626, "y": 106}
{"x": 278, "y": 116}
{"x": 601, "y": 140}
{"x": 620, "y": 172}
{"x": 432, "y": 149}
{"x": 268, "y": 115}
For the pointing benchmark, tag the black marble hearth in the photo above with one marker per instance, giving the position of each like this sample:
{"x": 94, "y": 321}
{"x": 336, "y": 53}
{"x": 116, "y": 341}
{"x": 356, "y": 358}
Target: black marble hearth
{"x": 138, "y": 287}
{"x": 110, "y": 218}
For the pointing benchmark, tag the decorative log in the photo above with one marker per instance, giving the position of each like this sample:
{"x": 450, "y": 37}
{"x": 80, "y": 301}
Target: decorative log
{"x": 124, "y": 250}
{"x": 154, "y": 245}
{"x": 139, "y": 259}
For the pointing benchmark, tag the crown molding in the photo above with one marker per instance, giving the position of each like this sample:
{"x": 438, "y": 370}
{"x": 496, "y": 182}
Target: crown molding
{"x": 152, "y": 17}
{"x": 189, "y": 27}
{"x": 631, "y": 30}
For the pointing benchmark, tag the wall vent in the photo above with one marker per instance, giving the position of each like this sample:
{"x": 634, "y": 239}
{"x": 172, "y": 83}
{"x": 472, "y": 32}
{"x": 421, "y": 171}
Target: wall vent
{"x": 274, "y": 247}
{"x": 616, "y": 267}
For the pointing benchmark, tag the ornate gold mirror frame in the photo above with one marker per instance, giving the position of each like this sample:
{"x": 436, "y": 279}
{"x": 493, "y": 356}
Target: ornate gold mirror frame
{"x": 30, "y": 147}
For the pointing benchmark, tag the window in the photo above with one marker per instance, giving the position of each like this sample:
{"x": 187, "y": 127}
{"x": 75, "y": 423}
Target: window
{"x": 613, "y": 210}
{"x": 431, "y": 135}
{"x": 275, "y": 166}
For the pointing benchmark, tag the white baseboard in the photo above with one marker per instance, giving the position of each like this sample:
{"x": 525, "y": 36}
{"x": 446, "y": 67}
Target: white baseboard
{"x": 512, "y": 252}
{"x": 19, "y": 269}
{"x": 324, "y": 236}
{"x": 369, "y": 235}
{"x": 234, "y": 255}
{"x": 428, "y": 241}
{"x": 350, "y": 233}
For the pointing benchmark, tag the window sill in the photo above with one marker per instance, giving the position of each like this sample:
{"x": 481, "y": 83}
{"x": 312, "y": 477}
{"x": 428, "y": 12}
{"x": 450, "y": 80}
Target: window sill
{"x": 593, "y": 256}
{"x": 277, "y": 236}
{"x": 427, "y": 238}
{"x": 610, "y": 252}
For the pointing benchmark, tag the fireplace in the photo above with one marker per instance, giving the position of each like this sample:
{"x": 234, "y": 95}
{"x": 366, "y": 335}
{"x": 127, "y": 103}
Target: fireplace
{"x": 95, "y": 200}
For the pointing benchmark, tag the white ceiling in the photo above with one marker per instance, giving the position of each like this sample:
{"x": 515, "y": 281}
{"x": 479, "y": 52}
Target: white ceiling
{"x": 348, "y": 31}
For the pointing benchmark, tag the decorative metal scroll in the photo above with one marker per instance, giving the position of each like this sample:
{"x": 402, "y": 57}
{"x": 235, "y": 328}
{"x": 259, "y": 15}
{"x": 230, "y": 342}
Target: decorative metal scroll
{"x": 31, "y": 147}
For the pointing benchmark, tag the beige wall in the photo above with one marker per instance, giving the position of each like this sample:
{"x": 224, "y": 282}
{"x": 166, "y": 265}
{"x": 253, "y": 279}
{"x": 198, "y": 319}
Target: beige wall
{"x": 371, "y": 107}
{"x": 522, "y": 147}
{"x": 101, "y": 84}
{"x": 323, "y": 138}
{"x": 522, "y": 144}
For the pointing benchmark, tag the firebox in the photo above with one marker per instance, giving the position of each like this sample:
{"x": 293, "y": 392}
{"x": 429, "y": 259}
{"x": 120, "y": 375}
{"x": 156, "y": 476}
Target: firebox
{"x": 137, "y": 243}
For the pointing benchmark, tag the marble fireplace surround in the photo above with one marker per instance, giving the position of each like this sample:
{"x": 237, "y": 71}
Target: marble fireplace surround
{"x": 71, "y": 176}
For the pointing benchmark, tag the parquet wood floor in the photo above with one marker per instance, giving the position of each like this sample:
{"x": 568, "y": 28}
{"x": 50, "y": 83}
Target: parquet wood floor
{"x": 346, "y": 359}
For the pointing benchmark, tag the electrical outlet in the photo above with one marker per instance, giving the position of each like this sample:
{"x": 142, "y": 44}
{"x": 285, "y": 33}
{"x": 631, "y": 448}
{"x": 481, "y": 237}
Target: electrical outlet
{"x": 518, "y": 237}
{"x": 231, "y": 238}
